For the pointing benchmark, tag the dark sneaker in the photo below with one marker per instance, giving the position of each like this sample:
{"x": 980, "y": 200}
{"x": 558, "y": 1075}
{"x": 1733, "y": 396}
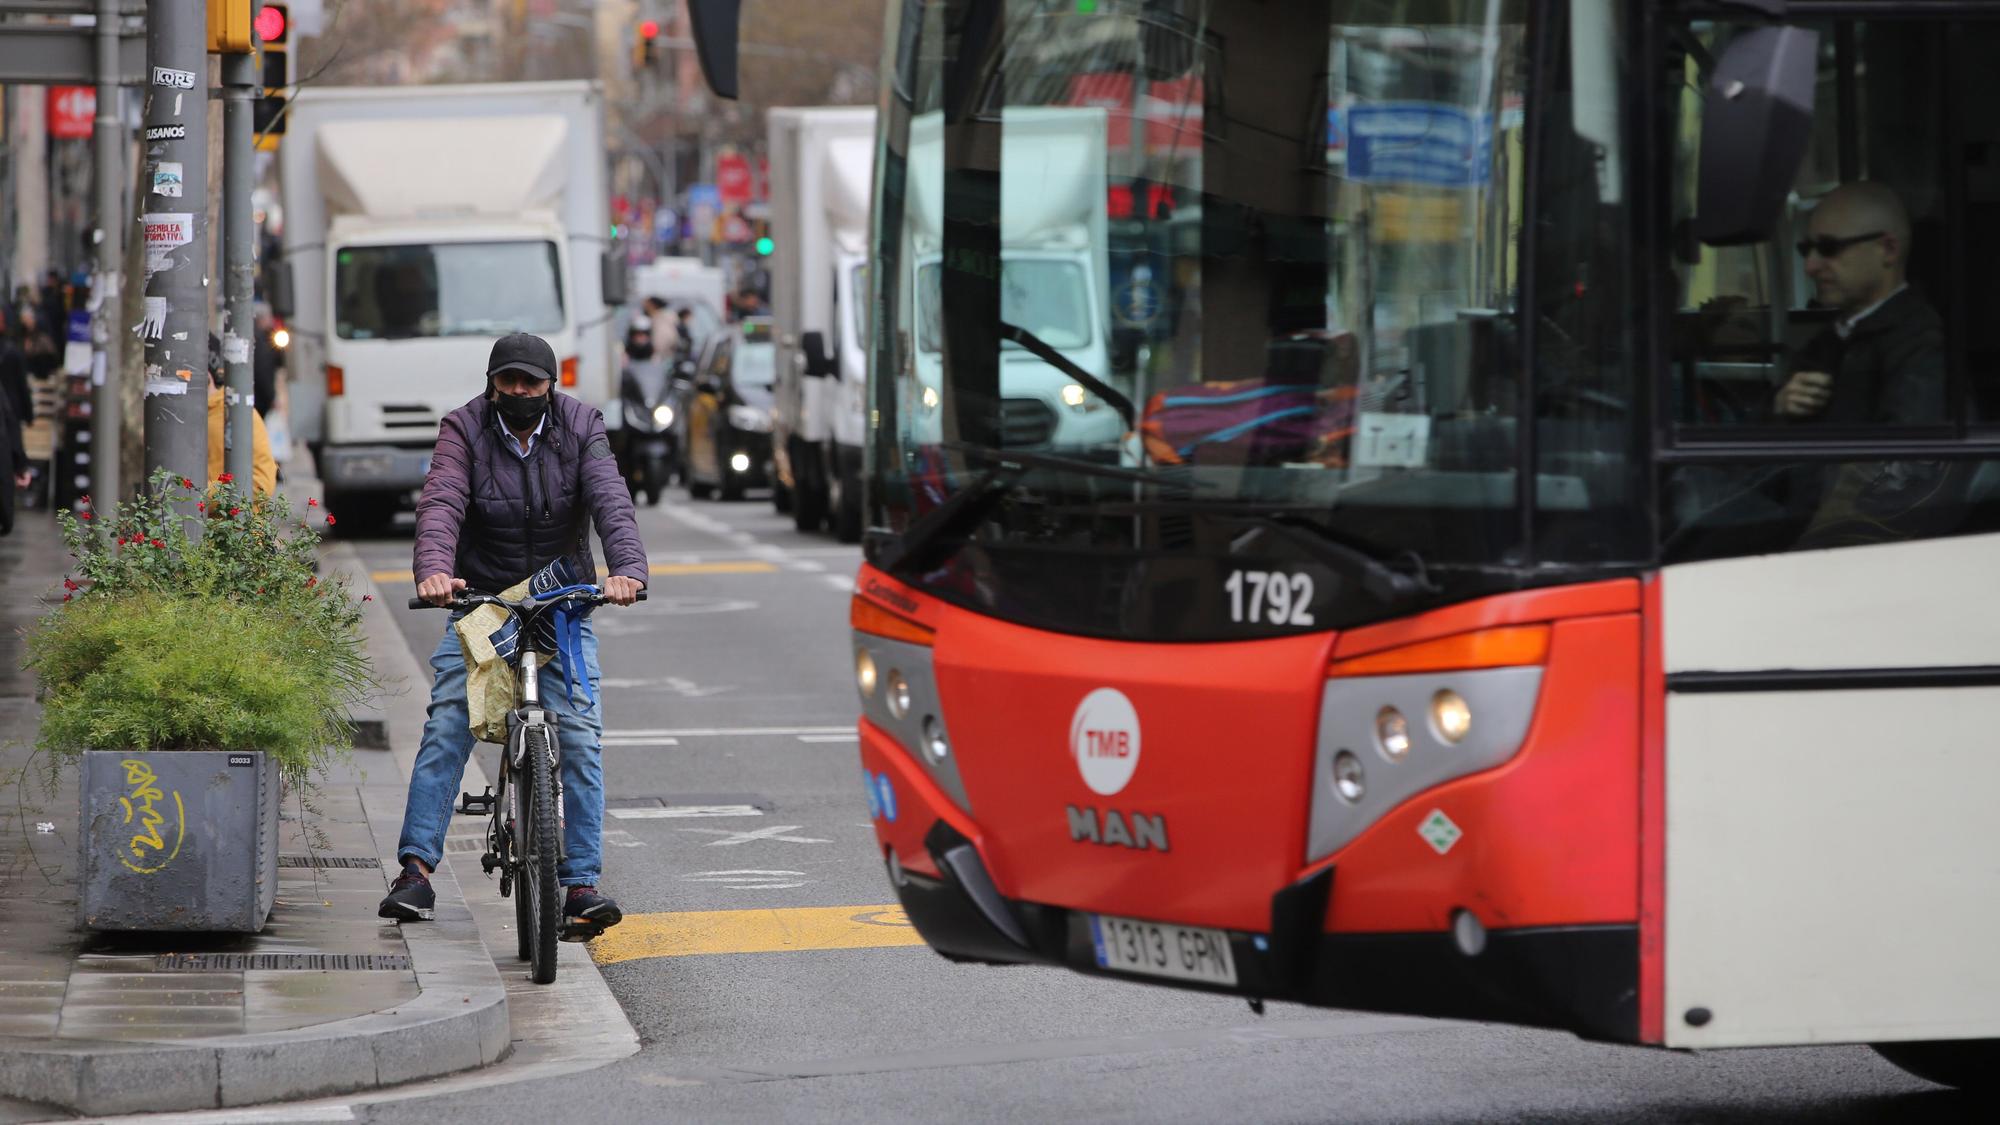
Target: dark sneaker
{"x": 587, "y": 914}
{"x": 410, "y": 897}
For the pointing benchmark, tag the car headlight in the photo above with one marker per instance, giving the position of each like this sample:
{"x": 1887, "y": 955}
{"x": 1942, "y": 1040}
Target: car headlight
{"x": 281, "y": 339}
{"x": 663, "y": 415}
{"x": 750, "y": 418}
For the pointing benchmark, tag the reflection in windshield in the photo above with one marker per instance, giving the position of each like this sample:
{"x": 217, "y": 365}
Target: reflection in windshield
{"x": 1316, "y": 313}
{"x": 1045, "y": 297}
{"x": 451, "y": 289}
{"x": 756, "y": 365}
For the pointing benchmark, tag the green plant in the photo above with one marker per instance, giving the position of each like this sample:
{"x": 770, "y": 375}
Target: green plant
{"x": 224, "y": 638}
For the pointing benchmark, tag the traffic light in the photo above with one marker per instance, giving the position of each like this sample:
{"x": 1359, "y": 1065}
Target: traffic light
{"x": 274, "y": 30}
{"x": 646, "y": 46}
{"x": 229, "y": 27}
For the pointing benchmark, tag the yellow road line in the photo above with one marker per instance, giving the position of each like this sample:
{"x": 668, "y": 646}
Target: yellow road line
{"x": 744, "y": 566}
{"x": 687, "y": 933}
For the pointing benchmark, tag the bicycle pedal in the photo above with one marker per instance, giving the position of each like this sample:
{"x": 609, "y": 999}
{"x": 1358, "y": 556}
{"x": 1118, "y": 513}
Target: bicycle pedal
{"x": 489, "y": 863}
{"x": 476, "y": 803}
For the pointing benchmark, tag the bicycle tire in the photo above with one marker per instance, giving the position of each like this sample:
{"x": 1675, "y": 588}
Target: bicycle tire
{"x": 517, "y": 814}
{"x": 539, "y": 854}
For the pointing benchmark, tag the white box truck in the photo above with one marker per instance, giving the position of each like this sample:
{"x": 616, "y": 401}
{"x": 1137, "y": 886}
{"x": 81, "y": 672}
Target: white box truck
{"x": 421, "y": 223}
{"x": 822, "y": 166}
{"x": 1055, "y": 279}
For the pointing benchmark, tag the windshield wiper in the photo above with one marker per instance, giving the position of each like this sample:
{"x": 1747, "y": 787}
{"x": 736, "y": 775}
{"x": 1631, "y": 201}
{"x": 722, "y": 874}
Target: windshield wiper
{"x": 1041, "y": 350}
{"x": 1382, "y": 581}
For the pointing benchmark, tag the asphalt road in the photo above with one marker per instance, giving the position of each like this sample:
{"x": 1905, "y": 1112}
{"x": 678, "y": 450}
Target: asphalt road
{"x": 730, "y": 694}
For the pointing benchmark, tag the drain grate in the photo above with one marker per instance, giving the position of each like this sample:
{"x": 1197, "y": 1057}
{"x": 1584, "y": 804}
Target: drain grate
{"x": 328, "y": 861}
{"x": 242, "y": 962}
{"x": 454, "y": 845}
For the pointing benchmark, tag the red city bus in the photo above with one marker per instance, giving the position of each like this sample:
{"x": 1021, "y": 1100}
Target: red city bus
{"x": 1527, "y": 552}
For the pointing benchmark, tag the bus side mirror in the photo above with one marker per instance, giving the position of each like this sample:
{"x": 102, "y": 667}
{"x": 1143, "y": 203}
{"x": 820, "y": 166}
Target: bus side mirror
{"x": 818, "y": 363}
{"x": 611, "y": 278}
{"x": 1755, "y": 126}
{"x": 278, "y": 287}
{"x": 715, "y": 24}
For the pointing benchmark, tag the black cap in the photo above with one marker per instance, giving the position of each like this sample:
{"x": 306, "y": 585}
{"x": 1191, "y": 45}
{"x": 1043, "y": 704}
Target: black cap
{"x": 525, "y": 352}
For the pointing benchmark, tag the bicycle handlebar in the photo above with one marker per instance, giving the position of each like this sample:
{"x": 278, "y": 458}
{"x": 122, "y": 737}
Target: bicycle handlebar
{"x": 471, "y": 601}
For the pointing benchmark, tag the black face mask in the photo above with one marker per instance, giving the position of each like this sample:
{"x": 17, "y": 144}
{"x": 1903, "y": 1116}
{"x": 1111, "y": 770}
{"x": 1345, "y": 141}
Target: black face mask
{"x": 639, "y": 351}
{"x": 522, "y": 411}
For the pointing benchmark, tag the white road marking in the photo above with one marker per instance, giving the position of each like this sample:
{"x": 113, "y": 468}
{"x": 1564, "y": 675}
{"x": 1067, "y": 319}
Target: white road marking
{"x": 774, "y": 832}
{"x": 637, "y": 743}
{"x": 839, "y": 582}
{"x": 675, "y": 684}
{"x": 720, "y": 732}
{"x": 850, "y": 736}
{"x": 679, "y": 812}
{"x": 619, "y": 838}
{"x": 751, "y": 879}
{"x": 276, "y": 1115}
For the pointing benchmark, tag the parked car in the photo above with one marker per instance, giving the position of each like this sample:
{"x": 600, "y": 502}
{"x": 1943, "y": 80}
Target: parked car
{"x": 726, "y": 422}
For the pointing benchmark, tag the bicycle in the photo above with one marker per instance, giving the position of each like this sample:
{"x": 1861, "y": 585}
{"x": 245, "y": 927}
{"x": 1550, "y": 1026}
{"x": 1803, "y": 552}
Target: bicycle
{"x": 524, "y": 841}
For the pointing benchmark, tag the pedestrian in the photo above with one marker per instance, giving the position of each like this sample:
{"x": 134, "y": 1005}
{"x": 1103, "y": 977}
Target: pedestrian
{"x": 263, "y": 470}
{"x": 665, "y": 330}
{"x": 37, "y": 346}
{"x": 264, "y": 362}
{"x": 14, "y": 472}
{"x": 518, "y": 475}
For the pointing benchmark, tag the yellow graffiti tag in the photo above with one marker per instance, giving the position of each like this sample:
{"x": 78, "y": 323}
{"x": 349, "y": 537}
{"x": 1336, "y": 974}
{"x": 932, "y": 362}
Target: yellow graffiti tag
{"x": 146, "y": 790}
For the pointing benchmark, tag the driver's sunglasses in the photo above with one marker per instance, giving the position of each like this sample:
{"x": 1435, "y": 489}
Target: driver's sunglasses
{"x": 1828, "y": 246}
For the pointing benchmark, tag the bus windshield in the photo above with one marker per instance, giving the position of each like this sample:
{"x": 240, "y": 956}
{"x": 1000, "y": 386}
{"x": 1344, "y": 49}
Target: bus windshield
{"x": 1295, "y": 236}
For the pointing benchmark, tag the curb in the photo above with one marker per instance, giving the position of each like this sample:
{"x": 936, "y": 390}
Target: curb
{"x": 458, "y": 1021}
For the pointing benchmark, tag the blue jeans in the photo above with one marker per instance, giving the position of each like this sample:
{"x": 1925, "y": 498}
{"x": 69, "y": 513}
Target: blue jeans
{"x": 448, "y": 741}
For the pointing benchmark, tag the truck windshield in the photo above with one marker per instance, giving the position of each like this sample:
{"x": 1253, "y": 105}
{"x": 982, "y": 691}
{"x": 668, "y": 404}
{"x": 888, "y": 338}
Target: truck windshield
{"x": 447, "y": 289}
{"x": 1306, "y": 232}
{"x": 1045, "y": 296}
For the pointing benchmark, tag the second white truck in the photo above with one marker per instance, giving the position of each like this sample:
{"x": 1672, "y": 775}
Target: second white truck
{"x": 822, "y": 164}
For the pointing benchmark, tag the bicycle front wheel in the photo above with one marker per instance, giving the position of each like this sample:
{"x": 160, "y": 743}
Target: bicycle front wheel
{"x": 517, "y": 815}
{"x": 539, "y": 855}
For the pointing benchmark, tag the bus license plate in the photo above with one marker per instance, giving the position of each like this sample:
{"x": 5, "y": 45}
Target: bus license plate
{"x": 1162, "y": 950}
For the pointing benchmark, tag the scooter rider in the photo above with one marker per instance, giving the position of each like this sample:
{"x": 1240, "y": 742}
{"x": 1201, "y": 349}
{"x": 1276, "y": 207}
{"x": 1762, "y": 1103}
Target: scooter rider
{"x": 518, "y": 474}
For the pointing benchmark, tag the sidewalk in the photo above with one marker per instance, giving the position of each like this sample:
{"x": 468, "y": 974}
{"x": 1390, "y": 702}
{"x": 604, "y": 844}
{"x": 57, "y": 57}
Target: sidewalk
{"x": 327, "y": 999}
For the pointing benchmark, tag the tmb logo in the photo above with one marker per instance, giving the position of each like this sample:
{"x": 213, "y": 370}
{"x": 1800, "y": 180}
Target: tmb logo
{"x": 1104, "y": 740}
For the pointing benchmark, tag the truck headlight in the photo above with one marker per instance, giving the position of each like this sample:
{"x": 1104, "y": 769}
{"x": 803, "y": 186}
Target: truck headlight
{"x": 1074, "y": 395}
{"x": 930, "y": 399}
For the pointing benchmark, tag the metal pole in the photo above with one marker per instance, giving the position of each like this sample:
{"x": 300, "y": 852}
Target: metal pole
{"x": 109, "y": 137}
{"x": 239, "y": 327}
{"x": 174, "y": 320}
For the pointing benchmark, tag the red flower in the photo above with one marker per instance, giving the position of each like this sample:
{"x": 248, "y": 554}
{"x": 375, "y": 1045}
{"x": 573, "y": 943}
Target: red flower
{"x": 159, "y": 544}
{"x": 200, "y": 506}
{"x": 85, "y": 500}
{"x": 313, "y": 581}
{"x": 70, "y": 585}
{"x": 329, "y": 519}
{"x": 83, "y": 515}
{"x": 66, "y": 597}
{"x": 186, "y": 483}
{"x": 367, "y": 597}
{"x": 311, "y": 503}
{"x": 233, "y": 511}
{"x": 227, "y": 478}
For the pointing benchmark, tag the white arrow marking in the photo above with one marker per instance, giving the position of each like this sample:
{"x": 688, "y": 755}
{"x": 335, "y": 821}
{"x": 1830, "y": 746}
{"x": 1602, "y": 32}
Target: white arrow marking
{"x": 774, "y": 832}
{"x": 677, "y": 812}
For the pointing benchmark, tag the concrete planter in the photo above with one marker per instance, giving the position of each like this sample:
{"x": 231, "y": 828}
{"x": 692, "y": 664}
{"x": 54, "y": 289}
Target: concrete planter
{"x": 178, "y": 840}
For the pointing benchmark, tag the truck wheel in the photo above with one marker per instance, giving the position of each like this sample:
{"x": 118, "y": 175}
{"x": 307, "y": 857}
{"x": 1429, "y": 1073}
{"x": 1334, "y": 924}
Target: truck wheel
{"x": 732, "y": 487}
{"x": 1972, "y": 1065}
{"x": 700, "y": 491}
{"x": 808, "y": 489}
{"x": 781, "y": 499}
{"x": 847, "y": 511}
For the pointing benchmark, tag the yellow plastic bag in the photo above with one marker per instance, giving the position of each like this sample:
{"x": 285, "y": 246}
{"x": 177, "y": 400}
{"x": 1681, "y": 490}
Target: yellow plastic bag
{"x": 492, "y": 691}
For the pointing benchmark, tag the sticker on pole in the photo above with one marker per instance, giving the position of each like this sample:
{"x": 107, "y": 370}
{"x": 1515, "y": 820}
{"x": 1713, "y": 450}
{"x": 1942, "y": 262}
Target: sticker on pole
{"x": 167, "y": 178}
{"x": 1439, "y": 832}
{"x": 167, "y": 133}
{"x": 168, "y": 229}
{"x": 173, "y": 79}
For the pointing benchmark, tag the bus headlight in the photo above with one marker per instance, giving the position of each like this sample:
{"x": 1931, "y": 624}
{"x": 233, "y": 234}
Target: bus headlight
{"x": 1347, "y": 779}
{"x": 899, "y": 695}
{"x": 1392, "y": 732}
{"x": 864, "y": 672}
{"x": 1451, "y": 715}
{"x": 935, "y": 743}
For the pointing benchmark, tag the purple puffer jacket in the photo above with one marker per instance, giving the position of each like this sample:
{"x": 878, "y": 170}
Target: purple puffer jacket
{"x": 493, "y": 518}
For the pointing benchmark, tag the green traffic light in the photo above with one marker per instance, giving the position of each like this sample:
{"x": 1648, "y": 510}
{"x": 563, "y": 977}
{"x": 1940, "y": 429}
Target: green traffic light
{"x": 765, "y": 245}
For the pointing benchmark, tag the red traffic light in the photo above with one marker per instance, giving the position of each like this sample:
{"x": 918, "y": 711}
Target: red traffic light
{"x": 270, "y": 23}
{"x": 649, "y": 29}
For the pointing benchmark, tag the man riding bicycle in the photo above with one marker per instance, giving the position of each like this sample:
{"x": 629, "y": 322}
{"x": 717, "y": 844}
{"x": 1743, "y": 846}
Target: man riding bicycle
{"x": 517, "y": 473}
